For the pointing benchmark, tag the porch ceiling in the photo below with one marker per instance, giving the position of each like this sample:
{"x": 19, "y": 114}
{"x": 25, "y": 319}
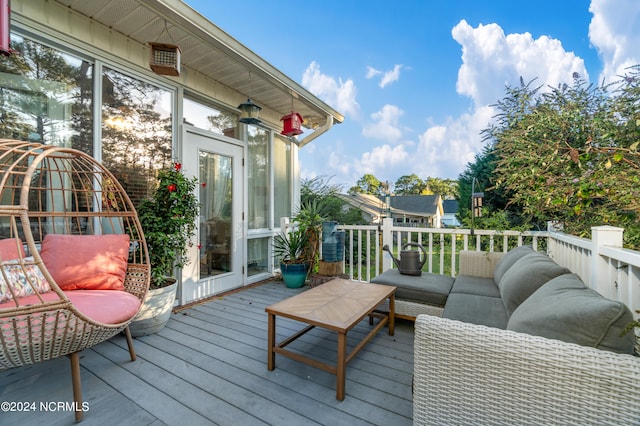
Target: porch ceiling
{"x": 207, "y": 49}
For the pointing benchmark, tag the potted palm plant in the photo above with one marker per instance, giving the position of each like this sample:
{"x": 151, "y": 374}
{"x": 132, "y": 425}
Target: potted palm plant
{"x": 309, "y": 217}
{"x": 168, "y": 220}
{"x": 290, "y": 248}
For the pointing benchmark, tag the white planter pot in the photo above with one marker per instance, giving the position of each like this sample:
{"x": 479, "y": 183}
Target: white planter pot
{"x": 155, "y": 311}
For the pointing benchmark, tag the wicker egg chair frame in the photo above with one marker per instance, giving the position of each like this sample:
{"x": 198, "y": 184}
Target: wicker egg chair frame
{"x": 44, "y": 190}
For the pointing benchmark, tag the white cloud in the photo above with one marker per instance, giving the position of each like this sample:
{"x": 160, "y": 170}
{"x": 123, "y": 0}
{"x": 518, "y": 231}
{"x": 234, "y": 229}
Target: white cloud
{"x": 372, "y": 72}
{"x": 385, "y": 125}
{"x": 445, "y": 150}
{"x": 339, "y": 94}
{"x": 492, "y": 60}
{"x": 382, "y": 158}
{"x": 388, "y": 77}
{"x": 614, "y": 32}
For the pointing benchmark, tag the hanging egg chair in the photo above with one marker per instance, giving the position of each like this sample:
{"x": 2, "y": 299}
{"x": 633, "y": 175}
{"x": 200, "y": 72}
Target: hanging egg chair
{"x": 74, "y": 266}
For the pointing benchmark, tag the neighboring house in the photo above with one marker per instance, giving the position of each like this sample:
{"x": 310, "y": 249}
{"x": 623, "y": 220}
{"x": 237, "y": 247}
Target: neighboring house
{"x": 81, "y": 77}
{"x": 449, "y": 219}
{"x": 406, "y": 210}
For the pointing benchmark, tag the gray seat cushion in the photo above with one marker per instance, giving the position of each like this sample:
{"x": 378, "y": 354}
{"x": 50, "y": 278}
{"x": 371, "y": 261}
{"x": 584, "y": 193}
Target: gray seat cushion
{"x": 471, "y": 308}
{"x": 527, "y": 275}
{"x": 475, "y": 285}
{"x": 564, "y": 309}
{"x": 507, "y": 261}
{"x": 426, "y": 288}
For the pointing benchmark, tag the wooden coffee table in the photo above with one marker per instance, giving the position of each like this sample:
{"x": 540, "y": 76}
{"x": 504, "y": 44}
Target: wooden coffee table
{"x": 337, "y": 305}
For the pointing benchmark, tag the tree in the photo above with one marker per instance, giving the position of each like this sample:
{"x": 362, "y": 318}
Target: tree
{"x": 320, "y": 190}
{"x": 409, "y": 185}
{"x": 571, "y": 155}
{"x": 446, "y": 188}
{"x": 368, "y": 184}
{"x": 494, "y": 200}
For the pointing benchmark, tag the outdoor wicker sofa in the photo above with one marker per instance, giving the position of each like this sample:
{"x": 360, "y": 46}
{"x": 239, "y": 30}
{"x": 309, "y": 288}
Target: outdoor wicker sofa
{"x": 525, "y": 343}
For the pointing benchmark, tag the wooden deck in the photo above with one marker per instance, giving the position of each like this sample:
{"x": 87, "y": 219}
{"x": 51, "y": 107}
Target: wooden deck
{"x": 209, "y": 366}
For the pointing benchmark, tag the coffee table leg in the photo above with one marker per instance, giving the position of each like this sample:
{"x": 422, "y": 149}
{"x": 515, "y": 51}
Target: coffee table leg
{"x": 341, "y": 366}
{"x": 392, "y": 314}
{"x": 271, "y": 357}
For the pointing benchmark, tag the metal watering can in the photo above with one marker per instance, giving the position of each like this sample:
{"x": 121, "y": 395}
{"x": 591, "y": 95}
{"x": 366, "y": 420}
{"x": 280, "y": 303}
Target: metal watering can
{"x": 409, "y": 262}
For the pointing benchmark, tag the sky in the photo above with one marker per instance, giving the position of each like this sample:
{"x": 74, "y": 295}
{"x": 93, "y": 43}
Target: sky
{"x": 416, "y": 80}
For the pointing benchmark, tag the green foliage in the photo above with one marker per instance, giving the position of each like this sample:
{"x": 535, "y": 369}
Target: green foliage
{"x": 446, "y": 188}
{"x": 368, "y": 184}
{"x": 570, "y": 155}
{"x": 409, "y": 185}
{"x": 289, "y": 247}
{"x": 321, "y": 190}
{"x": 309, "y": 217}
{"x": 406, "y": 185}
{"x": 168, "y": 220}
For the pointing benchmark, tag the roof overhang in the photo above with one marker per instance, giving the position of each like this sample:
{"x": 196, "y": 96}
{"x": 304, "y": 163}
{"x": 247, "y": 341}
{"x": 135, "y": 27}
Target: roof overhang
{"x": 207, "y": 49}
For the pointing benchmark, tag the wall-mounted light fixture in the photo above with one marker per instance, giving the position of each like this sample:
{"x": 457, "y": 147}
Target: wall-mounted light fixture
{"x": 249, "y": 112}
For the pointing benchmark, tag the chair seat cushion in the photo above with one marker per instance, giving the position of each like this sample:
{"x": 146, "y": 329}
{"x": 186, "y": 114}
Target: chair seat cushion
{"x": 102, "y": 306}
{"x": 426, "y": 288}
{"x": 475, "y": 309}
{"x": 475, "y": 285}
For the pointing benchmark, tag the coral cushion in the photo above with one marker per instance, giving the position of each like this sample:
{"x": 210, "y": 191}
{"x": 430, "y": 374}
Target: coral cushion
{"x": 86, "y": 262}
{"x": 103, "y": 306}
{"x": 11, "y": 248}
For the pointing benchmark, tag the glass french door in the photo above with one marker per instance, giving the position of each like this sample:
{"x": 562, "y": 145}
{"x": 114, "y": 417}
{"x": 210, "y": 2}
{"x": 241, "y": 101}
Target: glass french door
{"x": 216, "y": 257}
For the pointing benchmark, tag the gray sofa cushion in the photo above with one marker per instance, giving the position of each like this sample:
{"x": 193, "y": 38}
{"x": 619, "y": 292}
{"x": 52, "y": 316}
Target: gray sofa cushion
{"x": 475, "y": 285}
{"x": 507, "y": 261}
{"x": 564, "y": 309}
{"x": 427, "y": 288}
{"x": 527, "y": 275}
{"x": 475, "y": 309}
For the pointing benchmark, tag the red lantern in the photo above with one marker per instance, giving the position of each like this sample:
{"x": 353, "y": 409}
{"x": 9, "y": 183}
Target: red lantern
{"x": 292, "y": 124}
{"x": 5, "y": 39}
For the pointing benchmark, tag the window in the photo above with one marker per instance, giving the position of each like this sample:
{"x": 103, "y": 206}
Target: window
{"x": 282, "y": 178}
{"x": 211, "y": 119}
{"x": 46, "y": 96}
{"x": 136, "y": 131}
{"x": 258, "y": 177}
{"x": 258, "y": 252}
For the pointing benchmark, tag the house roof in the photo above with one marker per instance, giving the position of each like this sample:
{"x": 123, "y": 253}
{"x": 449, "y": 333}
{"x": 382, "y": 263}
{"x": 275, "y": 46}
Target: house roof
{"x": 420, "y": 205}
{"x": 207, "y": 49}
{"x": 408, "y": 205}
{"x": 370, "y": 204}
{"x": 450, "y": 206}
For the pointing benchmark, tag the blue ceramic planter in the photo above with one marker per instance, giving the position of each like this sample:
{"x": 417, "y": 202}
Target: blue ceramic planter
{"x": 294, "y": 275}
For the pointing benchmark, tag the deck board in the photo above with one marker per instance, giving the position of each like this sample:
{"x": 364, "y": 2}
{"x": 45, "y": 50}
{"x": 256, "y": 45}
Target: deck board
{"x": 209, "y": 366}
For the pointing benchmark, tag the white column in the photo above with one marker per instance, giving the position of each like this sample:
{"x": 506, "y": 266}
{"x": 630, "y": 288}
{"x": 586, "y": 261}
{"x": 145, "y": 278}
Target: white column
{"x": 602, "y": 280}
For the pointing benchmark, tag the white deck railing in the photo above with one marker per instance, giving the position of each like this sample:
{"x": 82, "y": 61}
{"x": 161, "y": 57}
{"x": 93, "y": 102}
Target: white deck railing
{"x": 364, "y": 258}
{"x": 601, "y": 262}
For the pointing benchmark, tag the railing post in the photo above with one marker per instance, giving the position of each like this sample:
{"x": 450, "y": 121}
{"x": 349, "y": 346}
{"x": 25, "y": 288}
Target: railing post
{"x": 600, "y": 268}
{"x": 387, "y": 238}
